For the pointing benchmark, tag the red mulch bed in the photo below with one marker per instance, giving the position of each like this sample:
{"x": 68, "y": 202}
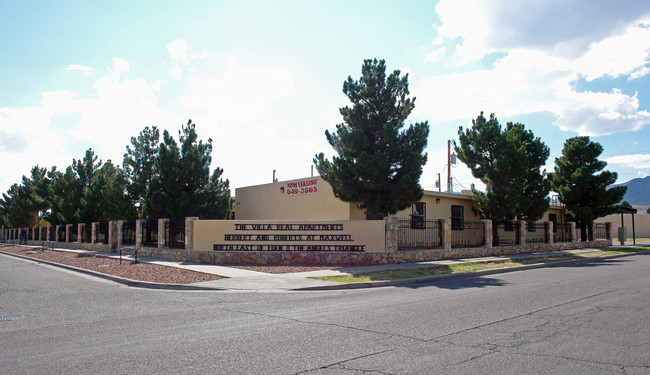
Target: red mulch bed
{"x": 127, "y": 269}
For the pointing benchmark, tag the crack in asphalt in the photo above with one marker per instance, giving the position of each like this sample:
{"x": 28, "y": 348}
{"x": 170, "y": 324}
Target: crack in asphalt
{"x": 441, "y": 339}
{"x": 341, "y": 365}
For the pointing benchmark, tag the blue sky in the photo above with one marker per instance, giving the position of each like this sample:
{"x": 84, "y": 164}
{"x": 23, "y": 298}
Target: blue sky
{"x": 263, "y": 79}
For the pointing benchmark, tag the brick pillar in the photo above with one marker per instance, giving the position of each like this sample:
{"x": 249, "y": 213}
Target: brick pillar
{"x": 81, "y": 232}
{"x": 521, "y": 227}
{"x": 163, "y": 234}
{"x": 392, "y": 230}
{"x": 574, "y": 232}
{"x": 487, "y": 232}
{"x": 113, "y": 235}
{"x": 446, "y": 234}
{"x": 549, "y": 232}
{"x": 119, "y": 230}
{"x": 138, "y": 233}
{"x": 189, "y": 234}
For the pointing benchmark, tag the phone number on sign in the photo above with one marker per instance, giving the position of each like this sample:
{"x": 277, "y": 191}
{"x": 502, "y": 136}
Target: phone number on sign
{"x": 304, "y": 190}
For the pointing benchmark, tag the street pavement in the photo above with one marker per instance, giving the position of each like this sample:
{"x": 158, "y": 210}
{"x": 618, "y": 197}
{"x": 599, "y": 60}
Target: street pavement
{"x": 579, "y": 318}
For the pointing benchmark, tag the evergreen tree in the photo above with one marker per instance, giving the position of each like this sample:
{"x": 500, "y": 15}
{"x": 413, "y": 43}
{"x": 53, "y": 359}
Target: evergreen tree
{"x": 582, "y": 184}
{"x": 139, "y": 164}
{"x": 181, "y": 184}
{"x": 106, "y": 198}
{"x": 24, "y": 205}
{"x": 219, "y": 200}
{"x": 65, "y": 195}
{"x": 508, "y": 161}
{"x": 14, "y": 211}
{"x": 86, "y": 169}
{"x": 378, "y": 164}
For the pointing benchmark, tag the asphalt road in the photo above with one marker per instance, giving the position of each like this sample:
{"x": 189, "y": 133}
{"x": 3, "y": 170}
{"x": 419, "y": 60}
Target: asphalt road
{"x": 591, "y": 318}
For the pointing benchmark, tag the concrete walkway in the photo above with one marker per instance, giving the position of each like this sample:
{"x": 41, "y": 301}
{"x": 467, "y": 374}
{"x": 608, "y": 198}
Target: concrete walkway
{"x": 245, "y": 280}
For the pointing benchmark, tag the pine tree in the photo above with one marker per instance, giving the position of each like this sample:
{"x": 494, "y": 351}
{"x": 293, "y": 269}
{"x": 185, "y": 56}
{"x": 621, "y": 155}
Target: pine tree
{"x": 181, "y": 185}
{"x": 139, "y": 164}
{"x": 65, "y": 196}
{"x": 508, "y": 161}
{"x": 106, "y": 198}
{"x": 378, "y": 164}
{"x": 582, "y": 184}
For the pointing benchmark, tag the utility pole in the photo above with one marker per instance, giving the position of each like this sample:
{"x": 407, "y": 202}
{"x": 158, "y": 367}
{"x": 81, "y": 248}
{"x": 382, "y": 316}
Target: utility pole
{"x": 448, "y": 166}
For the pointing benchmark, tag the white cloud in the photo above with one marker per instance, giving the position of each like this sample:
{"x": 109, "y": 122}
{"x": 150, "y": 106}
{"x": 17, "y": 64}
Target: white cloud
{"x": 238, "y": 93}
{"x": 118, "y": 108}
{"x": 636, "y": 161}
{"x": 181, "y": 54}
{"x": 178, "y": 51}
{"x": 547, "y": 47}
{"x": 620, "y": 55}
{"x": 563, "y": 27}
{"x": 86, "y": 70}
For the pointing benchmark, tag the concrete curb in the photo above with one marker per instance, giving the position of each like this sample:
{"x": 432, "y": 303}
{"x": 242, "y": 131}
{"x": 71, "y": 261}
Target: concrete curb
{"x": 118, "y": 279}
{"x": 428, "y": 279}
{"x": 340, "y": 286}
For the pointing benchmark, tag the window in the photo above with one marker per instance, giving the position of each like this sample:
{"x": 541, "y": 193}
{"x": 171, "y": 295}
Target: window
{"x": 418, "y": 215}
{"x": 457, "y": 217}
{"x": 532, "y": 226}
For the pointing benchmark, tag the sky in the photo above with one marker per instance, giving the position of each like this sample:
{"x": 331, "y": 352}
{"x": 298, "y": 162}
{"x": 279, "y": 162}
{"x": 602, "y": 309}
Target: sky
{"x": 263, "y": 79}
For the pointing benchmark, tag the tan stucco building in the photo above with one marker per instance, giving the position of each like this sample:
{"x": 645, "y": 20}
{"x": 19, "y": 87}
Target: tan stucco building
{"x": 313, "y": 199}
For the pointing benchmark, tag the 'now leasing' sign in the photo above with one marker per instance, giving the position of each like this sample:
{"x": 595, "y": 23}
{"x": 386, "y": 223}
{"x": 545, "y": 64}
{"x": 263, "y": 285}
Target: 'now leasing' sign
{"x": 301, "y": 187}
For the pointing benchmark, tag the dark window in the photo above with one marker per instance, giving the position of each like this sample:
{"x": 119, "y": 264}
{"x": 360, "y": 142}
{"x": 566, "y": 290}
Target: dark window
{"x": 532, "y": 226}
{"x": 418, "y": 215}
{"x": 457, "y": 217}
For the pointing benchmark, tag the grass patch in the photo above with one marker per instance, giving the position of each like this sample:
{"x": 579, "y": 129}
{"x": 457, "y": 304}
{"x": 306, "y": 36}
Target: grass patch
{"x": 413, "y": 273}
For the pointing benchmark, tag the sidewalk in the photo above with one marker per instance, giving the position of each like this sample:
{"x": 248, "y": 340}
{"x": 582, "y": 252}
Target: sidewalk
{"x": 245, "y": 280}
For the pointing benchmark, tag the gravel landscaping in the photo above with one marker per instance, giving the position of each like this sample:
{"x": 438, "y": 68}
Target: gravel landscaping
{"x": 142, "y": 271}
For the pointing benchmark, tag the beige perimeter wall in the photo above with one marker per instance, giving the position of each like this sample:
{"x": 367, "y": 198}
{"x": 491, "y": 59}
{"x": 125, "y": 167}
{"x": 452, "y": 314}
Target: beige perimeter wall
{"x": 290, "y": 235}
{"x": 641, "y": 224}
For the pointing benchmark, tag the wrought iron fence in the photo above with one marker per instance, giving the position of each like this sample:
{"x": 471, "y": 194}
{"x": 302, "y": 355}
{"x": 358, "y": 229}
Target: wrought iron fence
{"x": 52, "y": 234}
{"x": 150, "y": 233}
{"x": 102, "y": 233}
{"x": 419, "y": 234}
{"x": 562, "y": 233}
{"x": 468, "y": 234}
{"x": 44, "y": 234}
{"x": 128, "y": 233}
{"x": 536, "y": 232}
{"x": 74, "y": 233}
{"x": 505, "y": 234}
{"x": 601, "y": 232}
{"x": 175, "y": 230}
{"x": 88, "y": 233}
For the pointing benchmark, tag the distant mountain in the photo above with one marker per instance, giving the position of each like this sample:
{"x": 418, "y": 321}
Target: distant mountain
{"x": 638, "y": 191}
